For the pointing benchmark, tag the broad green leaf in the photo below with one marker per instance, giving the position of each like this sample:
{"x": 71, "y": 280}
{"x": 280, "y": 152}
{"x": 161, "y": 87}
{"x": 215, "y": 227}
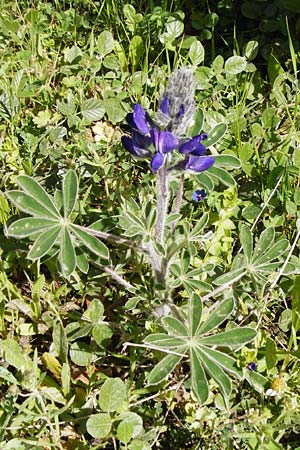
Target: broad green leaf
{"x": 29, "y": 205}
{"x": 227, "y": 161}
{"x": 92, "y": 109}
{"x": 250, "y": 50}
{"x": 70, "y": 191}
{"x": 99, "y": 425}
{"x": 131, "y": 426}
{"x": 264, "y": 243}
{"x": 222, "y": 175}
{"x": 230, "y": 277}
{"x": 95, "y": 311}
{"x": 67, "y": 253}
{"x": 105, "y": 43}
{"x": 246, "y": 241}
{"x": 174, "y": 326}
{"x": 44, "y": 242}
{"x": 31, "y": 187}
{"x": 163, "y": 369}
{"x": 217, "y": 316}
{"x": 91, "y": 242}
{"x": 196, "y": 53}
{"x": 234, "y": 337}
{"x": 277, "y": 249}
{"x": 194, "y": 314}
{"x": 198, "y": 377}
{"x": 31, "y": 225}
{"x": 164, "y": 341}
{"x": 112, "y": 394}
{"x": 235, "y": 64}
{"x": 102, "y": 334}
{"x": 13, "y": 354}
{"x": 222, "y": 359}
{"x": 216, "y": 372}
{"x": 82, "y": 261}
{"x": 72, "y": 53}
{"x": 215, "y": 134}
{"x": 136, "y": 50}
{"x": 204, "y": 180}
{"x": 268, "y": 268}
{"x": 114, "y": 109}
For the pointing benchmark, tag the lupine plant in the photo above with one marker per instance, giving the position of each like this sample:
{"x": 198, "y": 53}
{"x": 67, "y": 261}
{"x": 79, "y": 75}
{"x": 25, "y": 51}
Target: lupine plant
{"x": 176, "y": 146}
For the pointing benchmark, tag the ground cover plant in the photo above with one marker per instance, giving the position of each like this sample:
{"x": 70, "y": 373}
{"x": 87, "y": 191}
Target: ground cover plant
{"x": 149, "y": 254}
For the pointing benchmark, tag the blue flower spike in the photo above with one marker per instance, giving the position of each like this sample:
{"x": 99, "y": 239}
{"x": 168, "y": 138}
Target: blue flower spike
{"x": 199, "y": 195}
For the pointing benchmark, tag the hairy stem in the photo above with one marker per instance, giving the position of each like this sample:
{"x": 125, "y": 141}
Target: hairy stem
{"x": 162, "y": 194}
{"x": 178, "y": 200}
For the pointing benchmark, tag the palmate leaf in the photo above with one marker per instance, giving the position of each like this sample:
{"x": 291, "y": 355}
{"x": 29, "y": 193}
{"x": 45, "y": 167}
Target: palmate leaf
{"x": 264, "y": 243}
{"x": 191, "y": 337}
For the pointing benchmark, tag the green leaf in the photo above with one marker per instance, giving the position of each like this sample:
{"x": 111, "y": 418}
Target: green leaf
{"x": 92, "y": 109}
{"x": 91, "y": 242}
{"x": 222, "y": 175}
{"x": 204, "y": 180}
{"x": 235, "y": 64}
{"x": 198, "y": 378}
{"x": 70, "y": 191}
{"x": 136, "y": 50}
{"x": 44, "y": 243}
{"x": 222, "y": 359}
{"x": 95, "y": 311}
{"x": 99, "y": 425}
{"x": 67, "y": 253}
{"x": 112, "y": 394}
{"x": 271, "y": 353}
{"x": 246, "y": 241}
{"x": 251, "y": 49}
{"x": 164, "y": 341}
{"x": 13, "y": 354}
{"x": 29, "y": 205}
{"x": 114, "y": 109}
{"x": 174, "y": 326}
{"x": 131, "y": 426}
{"x": 102, "y": 334}
{"x": 36, "y": 191}
{"x": 277, "y": 249}
{"x": 230, "y": 277}
{"x": 196, "y": 53}
{"x": 216, "y": 372}
{"x": 264, "y": 243}
{"x": 195, "y": 314}
{"x": 234, "y": 337}
{"x": 217, "y": 316}
{"x": 82, "y": 261}
{"x": 105, "y": 43}
{"x": 31, "y": 225}
{"x": 215, "y": 134}
{"x": 227, "y": 161}
{"x": 163, "y": 369}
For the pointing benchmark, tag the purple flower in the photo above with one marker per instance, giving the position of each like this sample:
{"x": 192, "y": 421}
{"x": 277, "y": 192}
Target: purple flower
{"x": 199, "y": 195}
{"x": 139, "y": 120}
{"x": 164, "y": 142}
{"x": 194, "y": 146}
{"x": 137, "y": 145}
{"x": 199, "y": 163}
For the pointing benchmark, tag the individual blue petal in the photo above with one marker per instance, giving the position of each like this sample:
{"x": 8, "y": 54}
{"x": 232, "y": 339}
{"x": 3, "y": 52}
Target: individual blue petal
{"x": 199, "y": 163}
{"x": 193, "y": 146}
{"x": 130, "y": 145}
{"x": 163, "y": 141}
{"x": 140, "y": 119}
{"x": 164, "y": 106}
{"x": 157, "y": 161}
{"x": 199, "y": 195}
